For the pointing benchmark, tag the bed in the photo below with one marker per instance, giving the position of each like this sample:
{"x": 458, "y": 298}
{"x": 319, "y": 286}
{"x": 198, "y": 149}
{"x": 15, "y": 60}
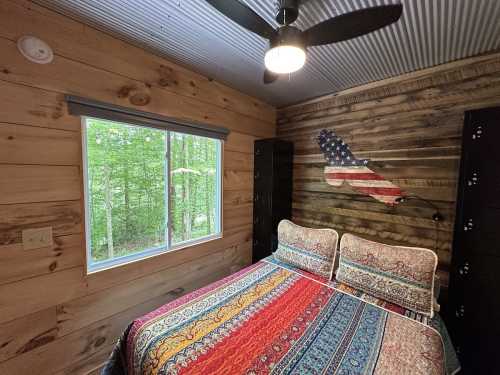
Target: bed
{"x": 273, "y": 318}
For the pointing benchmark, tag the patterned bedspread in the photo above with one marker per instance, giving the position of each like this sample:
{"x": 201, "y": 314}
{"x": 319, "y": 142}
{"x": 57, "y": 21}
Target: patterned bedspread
{"x": 271, "y": 319}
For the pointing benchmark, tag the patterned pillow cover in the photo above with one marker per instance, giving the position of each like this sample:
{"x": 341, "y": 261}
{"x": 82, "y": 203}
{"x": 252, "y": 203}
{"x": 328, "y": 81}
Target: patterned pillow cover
{"x": 312, "y": 250}
{"x": 398, "y": 274}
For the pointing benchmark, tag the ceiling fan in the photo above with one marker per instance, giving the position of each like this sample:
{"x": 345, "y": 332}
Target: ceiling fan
{"x": 288, "y": 44}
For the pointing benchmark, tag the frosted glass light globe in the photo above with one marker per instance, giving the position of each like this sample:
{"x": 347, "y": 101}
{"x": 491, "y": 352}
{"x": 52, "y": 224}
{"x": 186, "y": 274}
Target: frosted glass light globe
{"x": 285, "y": 59}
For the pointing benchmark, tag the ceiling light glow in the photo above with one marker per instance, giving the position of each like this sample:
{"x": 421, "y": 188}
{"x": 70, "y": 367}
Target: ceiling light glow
{"x": 285, "y": 59}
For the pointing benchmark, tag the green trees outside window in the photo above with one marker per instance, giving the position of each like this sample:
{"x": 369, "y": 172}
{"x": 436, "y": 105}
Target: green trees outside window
{"x": 193, "y": 186}
{"x": 147, "y": 190}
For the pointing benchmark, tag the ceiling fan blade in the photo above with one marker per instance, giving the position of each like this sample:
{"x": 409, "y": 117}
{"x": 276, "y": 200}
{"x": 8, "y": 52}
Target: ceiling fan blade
{"x": 353, "y": 24}
{"x": 269, "y": 77}
{"x": 243, "y": 16}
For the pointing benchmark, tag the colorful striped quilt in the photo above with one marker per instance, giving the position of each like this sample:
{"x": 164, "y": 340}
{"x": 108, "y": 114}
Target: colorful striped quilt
{"x": 270, "y": 319}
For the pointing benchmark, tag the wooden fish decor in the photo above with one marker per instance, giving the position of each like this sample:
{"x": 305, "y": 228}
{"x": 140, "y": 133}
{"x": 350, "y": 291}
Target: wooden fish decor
{"x": 343, "y": 166}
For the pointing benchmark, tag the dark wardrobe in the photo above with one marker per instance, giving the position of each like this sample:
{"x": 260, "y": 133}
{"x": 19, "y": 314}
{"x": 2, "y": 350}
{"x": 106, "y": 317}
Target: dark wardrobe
{"x": 473, "y": 313}
{"x": 273, "y": 166}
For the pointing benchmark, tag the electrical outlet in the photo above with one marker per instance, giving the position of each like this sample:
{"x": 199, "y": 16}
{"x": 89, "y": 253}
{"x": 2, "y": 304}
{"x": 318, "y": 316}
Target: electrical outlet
{"x": 36, "y": 238}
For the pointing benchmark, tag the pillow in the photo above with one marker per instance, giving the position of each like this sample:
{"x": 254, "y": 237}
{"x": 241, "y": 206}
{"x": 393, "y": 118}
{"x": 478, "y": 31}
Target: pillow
{"x": 312, "y": 250}
{"x": 398, "y": 274}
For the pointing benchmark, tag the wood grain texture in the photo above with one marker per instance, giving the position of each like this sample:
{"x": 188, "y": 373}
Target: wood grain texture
{"x": 65, "y": 75}
{"x": 46, "y": 146}
{"x": 76, "y": 41}
{"x": 38, "y": 293}
{"x": 55, "y": 319}
{"x": 24, "y": 334}
{"x": 58, "y": 354}
{"x": 64, "y": 218}
{"x": 170, "y": 282}
{"x": 90, "y": 365}
{"x": 411, "y": 128}
{"x": 17, "y": 263}
{"x": 241, "y": 216}
{"x": 80, "y": 347}
{"x": 114, "y": 276}
{"x": 240, "y": 142}
{"x": 39, "y": 183}
{"x": 32, "y": 106}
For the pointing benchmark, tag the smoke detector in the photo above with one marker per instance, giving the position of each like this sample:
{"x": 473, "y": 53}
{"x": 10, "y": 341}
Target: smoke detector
{"x": 35, "y": 50}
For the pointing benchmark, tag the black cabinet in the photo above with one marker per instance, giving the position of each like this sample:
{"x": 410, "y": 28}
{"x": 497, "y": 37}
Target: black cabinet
{"x": 473, "y": 313}
{"x": 273, "y": 166}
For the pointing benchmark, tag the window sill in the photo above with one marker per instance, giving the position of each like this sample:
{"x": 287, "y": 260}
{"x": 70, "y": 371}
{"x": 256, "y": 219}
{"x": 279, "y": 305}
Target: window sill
{"x": 135, "y": 258}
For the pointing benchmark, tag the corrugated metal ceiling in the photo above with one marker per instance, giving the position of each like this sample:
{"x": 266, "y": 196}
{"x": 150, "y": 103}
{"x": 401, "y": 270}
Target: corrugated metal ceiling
{"x": 191, "y": 32}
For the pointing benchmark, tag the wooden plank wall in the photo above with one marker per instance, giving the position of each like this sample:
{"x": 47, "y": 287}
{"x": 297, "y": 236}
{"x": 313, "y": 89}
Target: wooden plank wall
{"x": 53, "y": 318}
{"x": 410, "y": 127}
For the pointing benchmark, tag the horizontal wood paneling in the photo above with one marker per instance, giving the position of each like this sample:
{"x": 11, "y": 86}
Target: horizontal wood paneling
{"x": 46, "y": 146}
{"x": 90, "y": 365}
{"x": 17, "y": 263}
{"x": 37, "y": 107}
{"x": 238, "y": 180}
{"x": 39, "y": 183}
{"x": 54, "y": 319}
{"x": 101, "y": 280}
{"x": 76, "y": 41}
{"x": 241, "y": 161}
{"x": 169, "y": 282}
{"x": 369, "y": 95}
{"x": 410, "y": 127}
{"x": 69, "y": 76}
{"x": 64, "y": 218}
{"x": 239, "y": 142}
{"x": 33, "y": 294}
{"x": 24, "y": 334}
{"x": 48, "y": 335}
{"x": 238, "y": 197}
{"x": 77, "y": 346}
{"x": 241, "y": 216}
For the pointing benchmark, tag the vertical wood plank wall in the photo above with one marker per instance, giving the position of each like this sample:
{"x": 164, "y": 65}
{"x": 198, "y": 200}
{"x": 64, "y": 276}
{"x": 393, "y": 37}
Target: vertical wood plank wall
{"x": 410, "y": 127}
{"x": 53, "y": 318}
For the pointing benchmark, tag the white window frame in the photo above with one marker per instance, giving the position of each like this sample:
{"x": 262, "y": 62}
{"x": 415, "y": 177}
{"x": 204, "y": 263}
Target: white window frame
{"x": 93, "y": 267}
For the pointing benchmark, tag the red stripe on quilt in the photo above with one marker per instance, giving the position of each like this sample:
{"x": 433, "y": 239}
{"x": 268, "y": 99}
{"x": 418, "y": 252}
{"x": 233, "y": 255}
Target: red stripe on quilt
{"x": 235, "y": 354}
{"x": 141, "y": 321}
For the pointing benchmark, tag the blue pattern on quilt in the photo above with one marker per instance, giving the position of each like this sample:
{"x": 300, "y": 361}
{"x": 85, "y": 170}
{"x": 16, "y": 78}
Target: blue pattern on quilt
{"x": 330, "y": 339}
{"x": 344, "y": 340}
{"x": 296, "y": 352}
{"x": 323, "y": 338}
{"x": 361, "y": 356}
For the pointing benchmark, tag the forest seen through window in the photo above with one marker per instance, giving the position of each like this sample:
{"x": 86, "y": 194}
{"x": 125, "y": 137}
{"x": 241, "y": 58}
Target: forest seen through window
{"x": 129, "y": 200}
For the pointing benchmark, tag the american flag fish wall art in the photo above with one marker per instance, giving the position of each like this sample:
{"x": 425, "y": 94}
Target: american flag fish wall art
{"x": 343, "y": 166}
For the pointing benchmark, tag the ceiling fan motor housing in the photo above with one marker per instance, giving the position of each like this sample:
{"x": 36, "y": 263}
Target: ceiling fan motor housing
{"x": 288, "y": 11}
{"x": 288, "y": 36}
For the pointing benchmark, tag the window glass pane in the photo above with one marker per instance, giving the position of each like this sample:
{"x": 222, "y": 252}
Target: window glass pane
{"x": 126, "y": 171}
{"x": 194, "y": 187}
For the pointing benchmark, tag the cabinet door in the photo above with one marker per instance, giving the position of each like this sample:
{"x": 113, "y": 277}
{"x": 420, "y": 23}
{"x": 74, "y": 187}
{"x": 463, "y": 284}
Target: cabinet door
{"x": 474, "y": 311}
{"x": 481, "y": 182}
{"x": 282, "y": 183}
{"x": 261, "y": 225}
{"x": 478, "y": 315}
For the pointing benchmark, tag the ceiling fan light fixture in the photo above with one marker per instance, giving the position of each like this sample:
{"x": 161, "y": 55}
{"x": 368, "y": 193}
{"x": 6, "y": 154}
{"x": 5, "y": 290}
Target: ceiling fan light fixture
{"x": 287, "y": 51}
{"x": 285, "y": 59}
{"x": 288, "y": 44}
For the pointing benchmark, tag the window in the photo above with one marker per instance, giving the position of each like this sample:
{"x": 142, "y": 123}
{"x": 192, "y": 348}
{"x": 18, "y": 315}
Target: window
{"x": 148, "y": 190}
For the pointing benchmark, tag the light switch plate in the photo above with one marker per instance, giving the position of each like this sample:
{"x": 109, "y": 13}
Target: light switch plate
{"x": 36, "y": 238}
